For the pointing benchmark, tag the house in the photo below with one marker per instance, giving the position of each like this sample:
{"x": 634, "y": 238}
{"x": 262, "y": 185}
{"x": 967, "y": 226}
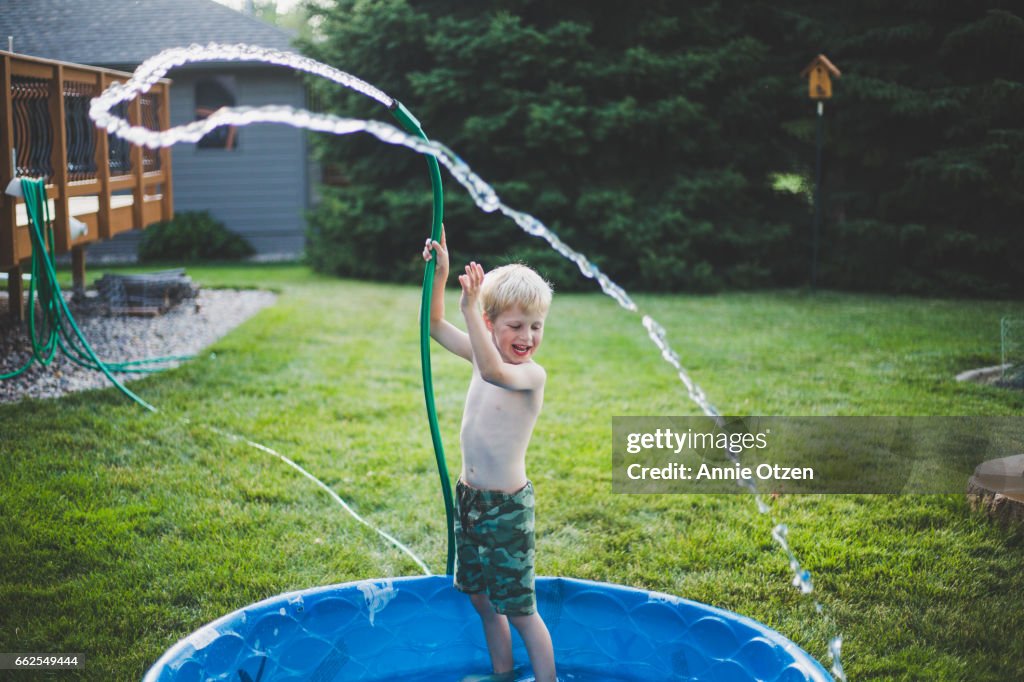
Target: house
{"x": 258, "y": 179}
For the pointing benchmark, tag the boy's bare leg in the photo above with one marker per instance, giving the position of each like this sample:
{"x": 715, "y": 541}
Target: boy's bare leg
{"x": 538, "y": 645}
{"x": 497, "y": 633}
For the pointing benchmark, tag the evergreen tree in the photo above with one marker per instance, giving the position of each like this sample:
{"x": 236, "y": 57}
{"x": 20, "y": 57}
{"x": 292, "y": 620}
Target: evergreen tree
{"x": 644, "y": 136}
{"x": 925, "y": 149}
{"x": 649, "y": 136}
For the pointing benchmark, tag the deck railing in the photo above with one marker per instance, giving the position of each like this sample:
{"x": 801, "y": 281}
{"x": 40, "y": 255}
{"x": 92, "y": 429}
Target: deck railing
{"x": 97, "y": 178}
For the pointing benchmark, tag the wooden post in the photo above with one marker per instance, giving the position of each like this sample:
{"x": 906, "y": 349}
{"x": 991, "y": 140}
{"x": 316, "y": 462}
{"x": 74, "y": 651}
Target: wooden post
{"x": 138, "y": 171}
{"x": 103, "y": 170}
{"x": 78, "y": 272}
{"x": 59, "y": 161}
{"x": 167, "y": 191}
{"x": 15, "y": 294}
{"x": 8, "y": 210}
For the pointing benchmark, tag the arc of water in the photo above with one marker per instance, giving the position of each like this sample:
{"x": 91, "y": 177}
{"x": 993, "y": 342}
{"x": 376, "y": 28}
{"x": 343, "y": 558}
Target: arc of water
{"x": 334, "y": 496}
{"x": 483, "y": 195}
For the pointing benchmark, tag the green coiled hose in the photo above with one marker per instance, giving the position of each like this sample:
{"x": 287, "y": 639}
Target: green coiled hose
{"x": 57, "y": 328}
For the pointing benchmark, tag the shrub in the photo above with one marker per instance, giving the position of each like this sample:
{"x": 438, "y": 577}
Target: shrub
{"x": 192, "y": 236}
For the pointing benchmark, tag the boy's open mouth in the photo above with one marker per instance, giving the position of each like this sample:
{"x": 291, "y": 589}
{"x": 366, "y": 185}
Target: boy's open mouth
{"x": 520, "y": 350}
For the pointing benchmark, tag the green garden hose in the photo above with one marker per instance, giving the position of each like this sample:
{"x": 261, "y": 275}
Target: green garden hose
{"x": 413, "y": 126}
{"x": 57, "y": 328}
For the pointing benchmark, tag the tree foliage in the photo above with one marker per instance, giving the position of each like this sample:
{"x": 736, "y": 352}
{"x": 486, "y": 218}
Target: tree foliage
{"x": 650, "y": 136}
{"x": 925, "y": 146}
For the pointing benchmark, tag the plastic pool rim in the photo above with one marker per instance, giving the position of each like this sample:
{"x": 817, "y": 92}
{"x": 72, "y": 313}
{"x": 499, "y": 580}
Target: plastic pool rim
{"x": 395, "y": 628}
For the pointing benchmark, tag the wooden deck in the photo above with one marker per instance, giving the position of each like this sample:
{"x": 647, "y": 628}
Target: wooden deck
{"x": 121, "y": 210}
{"x": 94, "y": 177}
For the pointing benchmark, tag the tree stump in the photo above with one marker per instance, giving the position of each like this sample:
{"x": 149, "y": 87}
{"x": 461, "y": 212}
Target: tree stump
{"x": 997, "y": 488}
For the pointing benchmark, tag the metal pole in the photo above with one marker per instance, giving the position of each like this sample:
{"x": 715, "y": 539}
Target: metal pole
{"x": 817, "y": 197}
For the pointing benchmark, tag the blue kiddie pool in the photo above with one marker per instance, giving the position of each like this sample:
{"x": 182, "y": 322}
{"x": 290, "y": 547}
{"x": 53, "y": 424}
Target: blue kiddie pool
{"x": 420, "y": 629}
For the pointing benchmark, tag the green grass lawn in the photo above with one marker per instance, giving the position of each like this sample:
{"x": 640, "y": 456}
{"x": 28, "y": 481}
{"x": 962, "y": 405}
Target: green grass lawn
{"x": 124, "y": 531}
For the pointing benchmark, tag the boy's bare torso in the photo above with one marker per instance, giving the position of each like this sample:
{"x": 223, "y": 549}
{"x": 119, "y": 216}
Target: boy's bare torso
{"x": 496, "y": 428}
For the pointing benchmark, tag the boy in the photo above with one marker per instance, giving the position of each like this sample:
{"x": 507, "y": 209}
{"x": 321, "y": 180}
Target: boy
{"x": 494, "y": 499}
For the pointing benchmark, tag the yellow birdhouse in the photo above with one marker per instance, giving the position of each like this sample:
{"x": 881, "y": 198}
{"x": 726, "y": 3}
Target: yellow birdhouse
{"x": 819, "y": 73}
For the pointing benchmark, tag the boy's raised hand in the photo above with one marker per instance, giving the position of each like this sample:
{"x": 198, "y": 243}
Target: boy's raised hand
{"x": 471, "y": 283}
{"x": 441, "y": 249}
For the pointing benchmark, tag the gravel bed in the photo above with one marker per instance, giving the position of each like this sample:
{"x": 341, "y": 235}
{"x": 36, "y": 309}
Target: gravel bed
{"x": 184, "y": 330}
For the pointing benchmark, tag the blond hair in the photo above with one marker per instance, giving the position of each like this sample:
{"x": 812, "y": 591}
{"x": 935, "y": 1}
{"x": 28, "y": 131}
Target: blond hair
{"x": 514, "y": 285}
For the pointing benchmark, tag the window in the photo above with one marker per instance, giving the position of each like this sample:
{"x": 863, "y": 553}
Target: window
{"x": 212, "y": 93}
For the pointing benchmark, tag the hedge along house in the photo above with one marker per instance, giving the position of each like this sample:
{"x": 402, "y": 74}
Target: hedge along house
{"x": 257, "y": 179}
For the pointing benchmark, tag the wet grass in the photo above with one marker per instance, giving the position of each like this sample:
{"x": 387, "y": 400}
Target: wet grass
{"x": 123, "y": 531}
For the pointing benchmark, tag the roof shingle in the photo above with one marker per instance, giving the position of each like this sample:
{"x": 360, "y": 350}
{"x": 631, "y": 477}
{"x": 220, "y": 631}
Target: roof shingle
{"x": 123, "y": 33}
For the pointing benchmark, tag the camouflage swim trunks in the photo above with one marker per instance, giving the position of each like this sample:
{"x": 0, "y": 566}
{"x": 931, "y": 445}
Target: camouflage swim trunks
{"x": 495, "y": 548}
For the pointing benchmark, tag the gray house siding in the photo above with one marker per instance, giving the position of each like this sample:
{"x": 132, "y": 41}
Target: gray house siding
{"x": 259, "y": 188}
{"x": 262, "y": 188}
